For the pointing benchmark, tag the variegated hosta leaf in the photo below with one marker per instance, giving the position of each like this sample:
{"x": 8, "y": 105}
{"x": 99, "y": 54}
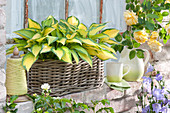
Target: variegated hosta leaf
{"x": 111, "y": 32}
{"x": 67, "y": 56}
{"x": 78, "y": 48}
{"x": 71, "y": 36}
{"x": 99, "y": 36}
{"x": 28, "y": 61}
{"x": 58, "y": 52}
{"x": 82, "y": 26}
{"x": 33, "y": 24}
{"x": 40, "y": 39}
{"x": 26, "y": 34}
{"x": 74, "y": 41}
{"x": 105, "y": 55}
{"x": 29, "y": 45}
{"x": 96, "y": 25}
{"x": 54, "y": 21}
{"x": 85, "y": 57}
{"x": 82, "y": 32}
{"x": 36, "y": 36}
{"x": 62, "y": 40}
{"x": 66, "y": 24}
{"x": 47, "y": 30}
{"x": 75, "y": 56}
{"x": 73, "y": 20}
{"x": 88, "y": 41}
{"x": 46, "y": 48}
{"x": 20, "y": 41}
{"x": 108, "y": 48}
{"x": 92, "y": 52}
{"x": 36, "y": 49}
{"x": 95, "y": 30}
{"x": 51, "y": 39}
{"x": 111, "y": 42}
{"x": 33, "y": 29}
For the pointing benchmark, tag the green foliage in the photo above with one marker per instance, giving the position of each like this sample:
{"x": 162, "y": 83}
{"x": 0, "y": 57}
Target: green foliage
{"x": 10, "y": 105}
{"x": 46, "y": 104}
{"x": 56, "y": 39}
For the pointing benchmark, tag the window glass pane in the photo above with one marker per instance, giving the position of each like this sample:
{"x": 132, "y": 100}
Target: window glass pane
{"x": 87, "y": 11}
{"x": 41, "y": 9}
{"x": 113, "y": 13}
{"x": 14, "y": 17}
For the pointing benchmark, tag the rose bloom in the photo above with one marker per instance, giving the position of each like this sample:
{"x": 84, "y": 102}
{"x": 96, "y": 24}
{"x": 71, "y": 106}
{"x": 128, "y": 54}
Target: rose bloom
{"x": 130, "y": 18}
{"x": 155, "y": 45}
{"x": 154, "y": 35}
{"x": 167, "y": 27}
{"x": 45, "y": 86}
{"x": 167, "y": 1}
{"x": 141, "y": 36}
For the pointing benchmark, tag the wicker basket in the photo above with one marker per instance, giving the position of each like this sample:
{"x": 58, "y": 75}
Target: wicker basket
{"x": 65, "y": 78}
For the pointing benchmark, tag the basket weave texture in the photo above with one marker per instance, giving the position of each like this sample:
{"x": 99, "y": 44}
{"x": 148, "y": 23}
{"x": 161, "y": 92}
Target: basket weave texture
{"x": 65, "y": 78}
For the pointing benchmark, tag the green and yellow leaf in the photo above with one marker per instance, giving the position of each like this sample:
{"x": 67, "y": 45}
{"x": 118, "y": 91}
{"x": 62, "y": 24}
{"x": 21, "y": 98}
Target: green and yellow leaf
{"x": 47, "y": 30}
{"x": 92, "y": 52}
{"x": 96, "y": 25}
{"x": 108, "y": 48}
{"x": 59, "y": 52}
{"x": 100, "y": 36}
{"x": 30, "y": 44}
{"x": 67, "y": 56}
{"x": 82, "y": 32}
{"x": 36, "y": 50}
{"x": 33, "y": 24}
{"x": 88, "y": 41}
{"x": 71, "y": 36}
{"x": 62, "y": 40}
{"x": 82, "y": 26}
{"x": 74, "y": 41}
{"x": 28, "y": 60}
{"x": 20, "y": 41}
{"x": 26, "y": 34}
{"x": 111, "y": 32}
{"x": 75, "y": 56}
{"x": 40, "y": 39}
{"x": 105, "y": 55}
{"x": 111, "y": 42}
{"x": 46, "y": 48}
{"x": 36, "y": 36}
{"x": 86, "y": 58}
{"x": 73, "y": 20}
{"x": 78, "y": 48}
{"x": 94, "y": 30}
{"x": 51, "y": 39}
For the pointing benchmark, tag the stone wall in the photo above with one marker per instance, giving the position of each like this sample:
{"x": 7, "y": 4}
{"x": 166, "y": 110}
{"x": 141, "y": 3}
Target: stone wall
{"x": 2, "y": 53}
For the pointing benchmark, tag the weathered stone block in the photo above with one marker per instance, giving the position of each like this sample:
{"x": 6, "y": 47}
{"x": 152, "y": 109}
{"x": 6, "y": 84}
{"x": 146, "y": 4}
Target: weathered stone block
{"x": 2, "y": 37}
{"x": 2, "y": 56}
{"x": 2, "y": 18}
{"x": 96, "y": 94}
{"x": 2, "y": 76}
{"x": 25, "y": 107}
{"x": 114, "y": 94}
{"x": 2, "y": 93}
{"x": 3, "y": 2}
{"x": 134, "y": 90}
{"x": 1, "y": 106}
{"x": 78, "y": 97}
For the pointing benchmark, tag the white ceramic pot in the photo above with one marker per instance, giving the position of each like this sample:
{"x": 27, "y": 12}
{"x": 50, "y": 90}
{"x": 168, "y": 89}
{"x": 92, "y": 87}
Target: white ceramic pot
{"x": 137, "y": 65}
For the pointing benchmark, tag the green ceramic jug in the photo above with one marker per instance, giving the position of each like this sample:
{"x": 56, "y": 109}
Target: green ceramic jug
{"x": 137, "y": 65}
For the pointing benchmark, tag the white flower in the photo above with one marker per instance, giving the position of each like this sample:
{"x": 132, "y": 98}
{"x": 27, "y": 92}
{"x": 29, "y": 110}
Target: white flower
{"x": 56, "y": 97}
{"x": 39, "y": 109}
{"x": 45, "y": 86}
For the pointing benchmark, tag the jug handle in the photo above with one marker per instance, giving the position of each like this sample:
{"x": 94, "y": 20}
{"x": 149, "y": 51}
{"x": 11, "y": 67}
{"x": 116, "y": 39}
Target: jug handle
{"x": 147, "y": 56}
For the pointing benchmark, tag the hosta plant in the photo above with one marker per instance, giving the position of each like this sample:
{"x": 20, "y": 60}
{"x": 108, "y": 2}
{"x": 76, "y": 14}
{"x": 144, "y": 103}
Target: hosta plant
{"x": 64, "y": 40}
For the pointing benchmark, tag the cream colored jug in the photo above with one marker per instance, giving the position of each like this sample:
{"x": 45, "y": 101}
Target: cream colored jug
{"x": 137, "y": 65}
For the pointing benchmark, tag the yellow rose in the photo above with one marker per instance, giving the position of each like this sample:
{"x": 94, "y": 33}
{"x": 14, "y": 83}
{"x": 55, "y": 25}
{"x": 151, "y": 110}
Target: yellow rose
{"x": 167, "y": 27}
{"x": 130, "y": 18}
{"x": 154, "y": 35}
{"x": 141, "y": 36}
{"x": 34, "y": 95}
{"x": 155, "y": 45}
{"x": 167, "y": 1}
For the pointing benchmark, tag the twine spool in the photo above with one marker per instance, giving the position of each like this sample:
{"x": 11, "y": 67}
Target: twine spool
{"x": 15, "y": 77}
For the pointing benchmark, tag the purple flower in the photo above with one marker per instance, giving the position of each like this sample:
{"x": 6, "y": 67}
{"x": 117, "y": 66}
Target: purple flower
{"x": 146, "y": 109}
{"x": 159, "y": 77}
{"x": 150, "y": 68}
{"x": 156, "y": 107}
{"x": 164, "y": 109}
{"x": 147, "y": 80}
{"x": 158, "y": 94}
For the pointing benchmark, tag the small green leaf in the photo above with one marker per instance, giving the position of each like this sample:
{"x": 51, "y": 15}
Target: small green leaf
{"x": 165, "y": 13}
{"x": 13, "y": 98}
{"x": 152, "y": 16}
{"x": 140, "y": 54}
{"x": 132, "y": 54}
